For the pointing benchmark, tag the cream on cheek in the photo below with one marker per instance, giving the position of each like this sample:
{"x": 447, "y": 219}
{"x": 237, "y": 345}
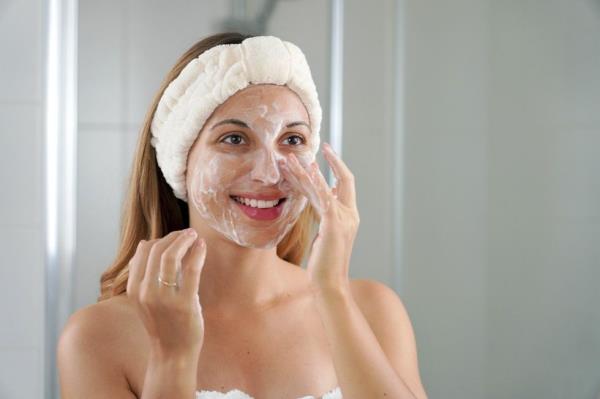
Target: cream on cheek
{"x": 219, "y": 174}
{"x": 213, "y": 175}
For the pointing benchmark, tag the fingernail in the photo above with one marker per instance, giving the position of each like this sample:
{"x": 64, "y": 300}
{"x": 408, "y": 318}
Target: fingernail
{"x": 191, "y": 232}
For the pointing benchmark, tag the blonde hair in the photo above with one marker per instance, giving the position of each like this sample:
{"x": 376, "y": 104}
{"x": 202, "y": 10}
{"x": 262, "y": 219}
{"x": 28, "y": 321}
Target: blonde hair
{"x": 151, "y": 210}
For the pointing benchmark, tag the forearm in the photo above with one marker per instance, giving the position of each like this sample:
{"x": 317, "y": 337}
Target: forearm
{"x": 361, "y": 366}
{"x": 170, "y": 377}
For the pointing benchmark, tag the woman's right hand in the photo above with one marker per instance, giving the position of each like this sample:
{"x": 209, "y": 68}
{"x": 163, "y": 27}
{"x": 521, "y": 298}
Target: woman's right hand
{"x": 172, "y": 316}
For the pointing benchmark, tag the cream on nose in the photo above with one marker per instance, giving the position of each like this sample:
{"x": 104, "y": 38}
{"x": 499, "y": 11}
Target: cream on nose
{"x": 265, "y": 168}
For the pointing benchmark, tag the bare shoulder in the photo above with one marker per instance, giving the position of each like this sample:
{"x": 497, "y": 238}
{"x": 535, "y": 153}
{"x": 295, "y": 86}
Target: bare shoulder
{"x": 381, "y": 306}
{"x": 102, "y": 322}
{"x": 88, "y": 355}
{"x": 389, "y": 320}
{"x": 370, "y": 295}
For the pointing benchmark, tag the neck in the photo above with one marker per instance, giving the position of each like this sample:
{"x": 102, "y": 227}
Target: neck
{"x": 236, "y": 278}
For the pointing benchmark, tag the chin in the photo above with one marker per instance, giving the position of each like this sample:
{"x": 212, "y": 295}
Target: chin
{"x": 267, "y": 243}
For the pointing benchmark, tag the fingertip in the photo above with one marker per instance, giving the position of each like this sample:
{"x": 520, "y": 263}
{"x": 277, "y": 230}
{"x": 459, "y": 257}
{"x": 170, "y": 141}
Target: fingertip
{"x": 283, "y": 164}
{"x": 329, "y": 158}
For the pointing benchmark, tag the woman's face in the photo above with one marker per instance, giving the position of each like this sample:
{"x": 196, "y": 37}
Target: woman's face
{"x": 233, "y": 180}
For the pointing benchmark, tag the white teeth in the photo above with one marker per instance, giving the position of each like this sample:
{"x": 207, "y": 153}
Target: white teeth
{"x": 256, "y": 203}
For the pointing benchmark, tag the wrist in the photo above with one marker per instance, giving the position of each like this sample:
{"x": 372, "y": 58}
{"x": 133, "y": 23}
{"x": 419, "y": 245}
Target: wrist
{"x": 331, "y": 293}
{"x": 170, "y": 375}
{"x": 327, "y": 289}
{"x": 174, "y": 360}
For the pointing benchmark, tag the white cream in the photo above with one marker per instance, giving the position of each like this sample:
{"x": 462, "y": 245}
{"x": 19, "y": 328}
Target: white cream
{"x": 250, "y": 164}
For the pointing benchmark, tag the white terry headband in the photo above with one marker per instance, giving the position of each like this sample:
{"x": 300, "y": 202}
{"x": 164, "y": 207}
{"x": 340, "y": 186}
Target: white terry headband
{"x": 209, "y": 80}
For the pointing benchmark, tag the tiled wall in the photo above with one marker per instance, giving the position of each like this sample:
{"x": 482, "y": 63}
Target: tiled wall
{"x": 21, "y": 200}
{"x": 544, "y": 201}
{"x": 501, "y": 260}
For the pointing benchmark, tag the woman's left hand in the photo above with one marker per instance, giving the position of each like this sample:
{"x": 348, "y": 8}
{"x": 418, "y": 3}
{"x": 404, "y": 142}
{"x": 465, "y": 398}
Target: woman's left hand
{"x": 329, "y": 258}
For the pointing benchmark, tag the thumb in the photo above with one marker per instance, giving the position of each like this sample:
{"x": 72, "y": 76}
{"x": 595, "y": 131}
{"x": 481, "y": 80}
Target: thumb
{"x": 193, "y": 270}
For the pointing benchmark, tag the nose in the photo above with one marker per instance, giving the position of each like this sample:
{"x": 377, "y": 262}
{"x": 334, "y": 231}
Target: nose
{"x": 265, "y": 168}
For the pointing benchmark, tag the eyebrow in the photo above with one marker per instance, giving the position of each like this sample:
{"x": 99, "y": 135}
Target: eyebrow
{"x": 243, "y": 124}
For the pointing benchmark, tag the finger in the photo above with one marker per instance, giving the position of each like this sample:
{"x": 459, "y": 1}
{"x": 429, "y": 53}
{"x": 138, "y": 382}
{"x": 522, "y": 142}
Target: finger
{"x": 320, "y": 183}
{"x": 137, "y": 266}
{"x": 153, "y": 263}
{"x": 192, "y": 270}
{"x": 317, "y": 196}
{"x": 346, "y": 190}
{"x": 300, "y": 179}
{"x": 172, "y": 256}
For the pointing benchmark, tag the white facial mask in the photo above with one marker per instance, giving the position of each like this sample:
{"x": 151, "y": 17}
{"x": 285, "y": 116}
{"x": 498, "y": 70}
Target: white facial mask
{"x": 235, "y": 164}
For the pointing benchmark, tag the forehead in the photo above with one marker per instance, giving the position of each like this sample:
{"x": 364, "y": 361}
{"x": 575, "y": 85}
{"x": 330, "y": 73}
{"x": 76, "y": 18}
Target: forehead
{"x": 263, "y": 98}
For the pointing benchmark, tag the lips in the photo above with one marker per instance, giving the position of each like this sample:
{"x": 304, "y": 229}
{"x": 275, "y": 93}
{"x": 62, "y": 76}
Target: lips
{"x": 256, "y": 203}
{"x": 260, "y": 209}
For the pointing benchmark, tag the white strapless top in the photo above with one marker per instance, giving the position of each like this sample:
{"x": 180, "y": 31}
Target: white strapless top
{"x": 335, "y": 393}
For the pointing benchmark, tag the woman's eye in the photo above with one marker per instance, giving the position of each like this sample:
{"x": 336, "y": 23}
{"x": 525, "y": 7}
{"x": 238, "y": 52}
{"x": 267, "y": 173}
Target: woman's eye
{"x": 234, "y": 139}
{"x": 294, "y": 140}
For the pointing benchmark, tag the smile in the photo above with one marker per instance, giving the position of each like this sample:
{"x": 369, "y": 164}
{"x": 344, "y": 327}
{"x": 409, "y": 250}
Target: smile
{"x": 257, "y": 203}
{"x": 260, "y": 209}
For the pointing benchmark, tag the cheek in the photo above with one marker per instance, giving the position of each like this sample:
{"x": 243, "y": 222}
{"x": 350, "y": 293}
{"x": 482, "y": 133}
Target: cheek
{"x": 306, "y": 158}
{"x": 218, "y": 172}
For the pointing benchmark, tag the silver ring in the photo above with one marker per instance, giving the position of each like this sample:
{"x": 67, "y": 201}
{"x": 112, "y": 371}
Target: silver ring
{"x": 160, "y": 280}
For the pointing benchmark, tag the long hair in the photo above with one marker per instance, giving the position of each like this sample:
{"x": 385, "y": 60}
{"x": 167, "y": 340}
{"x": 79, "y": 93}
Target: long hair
{"x": 151, "y": 210}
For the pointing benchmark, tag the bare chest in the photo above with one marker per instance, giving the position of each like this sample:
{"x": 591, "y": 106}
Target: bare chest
{"x": 282, "y": 355}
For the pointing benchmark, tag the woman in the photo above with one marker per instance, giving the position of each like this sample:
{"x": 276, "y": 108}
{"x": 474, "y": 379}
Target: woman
{"x": 206, "y": 298}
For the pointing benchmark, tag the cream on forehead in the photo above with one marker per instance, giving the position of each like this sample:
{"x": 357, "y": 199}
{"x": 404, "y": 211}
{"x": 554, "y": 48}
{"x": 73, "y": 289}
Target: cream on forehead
{"x": 220, "y": 171}
{"x": 267, "y": 102}
{"x": 209, "y": 80}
